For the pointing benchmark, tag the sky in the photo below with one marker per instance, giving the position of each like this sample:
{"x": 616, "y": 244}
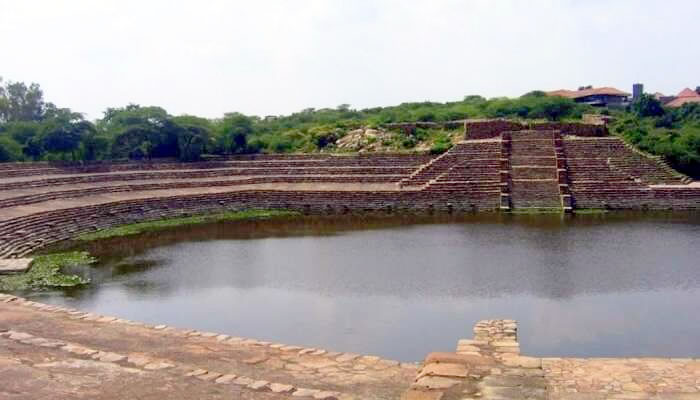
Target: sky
{"x": 269, "y": 57}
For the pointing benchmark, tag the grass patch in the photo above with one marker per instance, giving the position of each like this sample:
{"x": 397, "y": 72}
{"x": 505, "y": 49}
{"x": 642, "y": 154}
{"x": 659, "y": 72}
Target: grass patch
{"x": 45, "y": 272}
{"x": 157, "y": 225}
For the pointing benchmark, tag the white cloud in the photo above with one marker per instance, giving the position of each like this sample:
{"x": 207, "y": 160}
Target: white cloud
{"x": 273, "y": 57}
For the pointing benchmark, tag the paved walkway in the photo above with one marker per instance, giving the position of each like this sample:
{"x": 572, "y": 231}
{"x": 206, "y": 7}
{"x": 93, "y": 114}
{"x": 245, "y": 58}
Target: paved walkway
{"x": 51, "y": 352}
{"x": 80, "y": 355}
{"x": 629, "y": 378}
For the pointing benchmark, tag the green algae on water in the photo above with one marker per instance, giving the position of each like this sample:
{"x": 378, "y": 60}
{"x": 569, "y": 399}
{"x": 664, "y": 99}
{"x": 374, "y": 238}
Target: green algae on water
{"x": 45, "y": 272}
{"x": 150, "y": 226}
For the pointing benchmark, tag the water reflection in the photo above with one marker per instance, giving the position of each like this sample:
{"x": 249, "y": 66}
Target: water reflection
{"x": 403, "y": 286}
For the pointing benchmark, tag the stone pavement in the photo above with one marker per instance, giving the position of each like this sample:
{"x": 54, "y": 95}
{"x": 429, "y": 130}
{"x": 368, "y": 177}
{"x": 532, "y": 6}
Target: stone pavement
{"x": 630, "y": 378}
{"x": 52, "y": 352}
{"x": 79, "y": 354}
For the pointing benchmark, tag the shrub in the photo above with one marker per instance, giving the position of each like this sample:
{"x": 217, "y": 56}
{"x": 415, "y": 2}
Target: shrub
{"x": 408, "y": 143}
{"x": 440, "y": 147}
{"x": 9, "y": 150}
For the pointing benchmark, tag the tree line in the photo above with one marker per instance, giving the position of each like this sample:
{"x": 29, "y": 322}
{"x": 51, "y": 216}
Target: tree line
{"x": 34, "y": 129}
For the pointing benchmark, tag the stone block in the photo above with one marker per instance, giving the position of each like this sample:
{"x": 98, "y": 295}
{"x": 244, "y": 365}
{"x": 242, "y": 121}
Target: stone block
{"x": 453, "y": 358}
{"x": 503, "y": 381}
{"x": 522, "y": 361}
{"x": 326, "y": 395}
{"x": 259, "y": 385}
{"x": 436, "y": 383}
{"x": 15, "y": 265}
{"x": 243, "y": 381}
{"x": 225, "y": 379}
{"x": 196, "y": 372}
{"x": 444, "y": 369}
{"x": 347, "y": 357}
{"x": 281, "y": 388}
{"x": 157, "y": 365}
{"x": 303, "y": 392}
{"x": 209, "y": 376}
{"x": 414, "y": 394}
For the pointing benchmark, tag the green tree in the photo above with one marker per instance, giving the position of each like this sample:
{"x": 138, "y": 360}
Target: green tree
{"x": 552, "y": 108}
{"x": 19, "y": 102}
{"x": 193, "y": 136}
{"x": 65, "y": 136}
{"x": 233, "y": 131}
{"x": 95, "y": 146}
{"x": 647, "y": 106}
{"x": 138, "y": 132}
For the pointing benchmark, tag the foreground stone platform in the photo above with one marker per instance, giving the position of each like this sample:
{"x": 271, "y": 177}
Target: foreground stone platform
{"x": 52, "y": 352}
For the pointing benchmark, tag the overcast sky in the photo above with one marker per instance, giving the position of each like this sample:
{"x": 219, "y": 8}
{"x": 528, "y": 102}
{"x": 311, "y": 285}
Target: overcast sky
{"x": 276, "y": 57}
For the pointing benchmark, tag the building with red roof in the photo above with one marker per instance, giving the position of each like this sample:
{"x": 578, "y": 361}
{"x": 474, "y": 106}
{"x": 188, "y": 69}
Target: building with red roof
{"x": 602, "y": 96}
{"x": 684, "y": 97}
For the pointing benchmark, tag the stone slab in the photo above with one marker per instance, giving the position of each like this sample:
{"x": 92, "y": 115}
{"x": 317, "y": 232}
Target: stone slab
{"x": 414, "y": 394}
{"x": 436, "y": 383}
{"x": 452, "y": 358}
{"x": 15, "y": 265}
{"x": 444, "y": 369}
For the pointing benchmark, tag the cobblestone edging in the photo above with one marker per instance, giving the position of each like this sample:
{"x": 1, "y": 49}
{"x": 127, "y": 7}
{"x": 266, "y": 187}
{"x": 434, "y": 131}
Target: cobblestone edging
{"x": 219, "y": 377}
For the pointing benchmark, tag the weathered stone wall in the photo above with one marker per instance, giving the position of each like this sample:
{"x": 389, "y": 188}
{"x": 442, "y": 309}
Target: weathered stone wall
{"x": 488, "y": 129}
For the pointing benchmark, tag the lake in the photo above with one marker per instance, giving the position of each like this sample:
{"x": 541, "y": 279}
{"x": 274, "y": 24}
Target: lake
{"x": 403, "y": 286}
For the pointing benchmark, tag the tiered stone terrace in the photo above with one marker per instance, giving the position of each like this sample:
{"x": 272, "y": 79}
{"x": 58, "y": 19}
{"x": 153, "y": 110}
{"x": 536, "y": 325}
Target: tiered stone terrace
{"x": 503, "y": 165}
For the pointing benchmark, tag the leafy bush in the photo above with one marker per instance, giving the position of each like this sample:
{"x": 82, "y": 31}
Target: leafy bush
{"x": 408, "y": 143}
{"x": 440, "y": 147}
{"x": 9, "y": 149}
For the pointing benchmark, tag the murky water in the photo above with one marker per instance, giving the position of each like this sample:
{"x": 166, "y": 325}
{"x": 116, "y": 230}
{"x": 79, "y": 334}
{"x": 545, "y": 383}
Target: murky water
{"x": 400, "y": 287}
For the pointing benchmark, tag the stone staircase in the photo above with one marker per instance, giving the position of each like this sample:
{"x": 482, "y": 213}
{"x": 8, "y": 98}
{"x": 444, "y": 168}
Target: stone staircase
{"x": 489, "y": 366}
{"x": 431, "y": 170}
{"x": 665, "y": 169}
{"x": 533, "y": 175}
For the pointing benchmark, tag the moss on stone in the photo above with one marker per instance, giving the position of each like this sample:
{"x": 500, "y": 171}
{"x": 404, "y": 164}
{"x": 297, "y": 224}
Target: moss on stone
{"x": 590, "y": 211}
{"x": 45, "y": 272}
{"x": 533, "y": 211}
{"x": 150, "y": 226}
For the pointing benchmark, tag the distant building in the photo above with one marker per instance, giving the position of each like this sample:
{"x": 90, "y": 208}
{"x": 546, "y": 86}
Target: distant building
{"x": 637, "y": 91}
{"x": 601, "y": 97}
{"x": 686, "y": 96}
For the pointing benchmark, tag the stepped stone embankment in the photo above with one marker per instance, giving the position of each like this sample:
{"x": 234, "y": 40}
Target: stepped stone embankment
{"x": 503, "y": 165}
